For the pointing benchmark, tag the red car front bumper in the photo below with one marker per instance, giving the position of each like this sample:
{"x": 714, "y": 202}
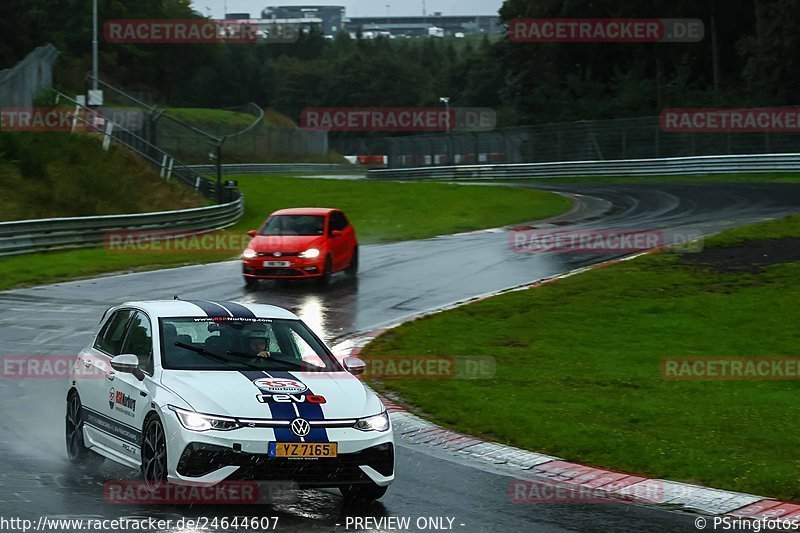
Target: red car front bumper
{"x": 298, "y": 268}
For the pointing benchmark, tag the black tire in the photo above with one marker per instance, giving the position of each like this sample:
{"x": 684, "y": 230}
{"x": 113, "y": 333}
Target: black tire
{"x": 325, "y": 279}
{"x": 352, "y": 270}
{"x": 250, "y": 283}
{"x": 77, "y": 452}
{"x": 362, "y": 493}
{"x": 154, "y": 454}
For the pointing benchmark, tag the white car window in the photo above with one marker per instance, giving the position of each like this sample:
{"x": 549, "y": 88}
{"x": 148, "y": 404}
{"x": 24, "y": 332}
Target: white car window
{"x": 305, "y": 351}
{"x": 139, "y": 342}
{"x": 110, "y": 338}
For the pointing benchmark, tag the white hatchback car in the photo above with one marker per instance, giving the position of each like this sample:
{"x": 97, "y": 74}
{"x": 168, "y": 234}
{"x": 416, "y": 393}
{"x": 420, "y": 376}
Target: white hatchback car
{"x": 197, "y": 392}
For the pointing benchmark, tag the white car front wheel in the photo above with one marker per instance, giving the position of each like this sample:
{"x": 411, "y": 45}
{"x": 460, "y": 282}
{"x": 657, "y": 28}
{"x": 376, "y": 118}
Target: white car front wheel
{"x": 154, "y": 454}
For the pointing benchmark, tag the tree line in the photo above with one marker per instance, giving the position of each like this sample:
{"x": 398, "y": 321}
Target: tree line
{"x": 747, "y": 58}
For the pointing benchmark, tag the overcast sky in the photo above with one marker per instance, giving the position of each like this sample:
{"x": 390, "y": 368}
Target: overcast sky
{"x": 355, "y": 8}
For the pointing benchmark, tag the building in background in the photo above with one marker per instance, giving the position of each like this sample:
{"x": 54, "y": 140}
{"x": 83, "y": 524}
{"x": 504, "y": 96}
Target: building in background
{"x": 331, "y": 19}
{"x": 417, "y": 26}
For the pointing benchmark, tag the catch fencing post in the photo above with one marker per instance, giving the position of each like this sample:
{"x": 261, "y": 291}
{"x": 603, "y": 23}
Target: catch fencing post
{"x": 219, "y": 172}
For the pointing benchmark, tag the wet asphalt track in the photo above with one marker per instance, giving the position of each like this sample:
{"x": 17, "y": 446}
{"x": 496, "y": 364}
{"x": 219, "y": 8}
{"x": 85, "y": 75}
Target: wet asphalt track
{"x": 396, "y": 281}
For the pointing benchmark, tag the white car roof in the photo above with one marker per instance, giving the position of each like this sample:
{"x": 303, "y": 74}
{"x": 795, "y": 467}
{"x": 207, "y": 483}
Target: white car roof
{"x": 201, "y": 308}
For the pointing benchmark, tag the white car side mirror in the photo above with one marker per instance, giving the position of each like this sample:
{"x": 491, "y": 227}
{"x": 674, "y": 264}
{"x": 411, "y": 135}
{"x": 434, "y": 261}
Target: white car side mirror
{"x": 127, "y": 363}
{"x": 354, "y": 365}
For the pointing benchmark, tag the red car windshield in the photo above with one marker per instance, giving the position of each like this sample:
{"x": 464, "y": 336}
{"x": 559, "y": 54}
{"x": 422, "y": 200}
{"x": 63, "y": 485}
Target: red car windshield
{"x": 294, "y": 225}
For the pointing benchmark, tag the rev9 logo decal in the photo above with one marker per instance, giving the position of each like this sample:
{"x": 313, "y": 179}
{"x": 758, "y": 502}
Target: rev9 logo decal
{"x": 291, "y": 398}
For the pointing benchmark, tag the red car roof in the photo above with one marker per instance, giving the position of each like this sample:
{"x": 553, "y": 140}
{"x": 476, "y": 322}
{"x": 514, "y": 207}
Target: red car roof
{"x": 322, "y": 211}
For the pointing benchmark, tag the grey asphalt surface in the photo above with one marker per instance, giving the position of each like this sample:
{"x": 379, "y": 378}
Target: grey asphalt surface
{"x": 396, "y": 281}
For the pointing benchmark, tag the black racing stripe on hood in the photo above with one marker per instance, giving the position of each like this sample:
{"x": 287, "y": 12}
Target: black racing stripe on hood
{"x": 252, "y": 375}
{"x": 238, "y": 310}
{"x": 211, "y": 309}
{"x": 309, "y": 411}
{"x": 276, "y": 411}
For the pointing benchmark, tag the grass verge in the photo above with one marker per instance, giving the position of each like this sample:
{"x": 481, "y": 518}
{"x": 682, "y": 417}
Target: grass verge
{"x": 391, "y": 211}
{"x": 380, "y": 212}
{"x": 52, "y": 174}
{"x": 578, "y": 364}
{"x": 211, "y": 118}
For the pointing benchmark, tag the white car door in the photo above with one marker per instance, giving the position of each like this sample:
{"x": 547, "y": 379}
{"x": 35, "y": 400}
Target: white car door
{"x": 100, "y": 427}
{"x": 129, "y": 397}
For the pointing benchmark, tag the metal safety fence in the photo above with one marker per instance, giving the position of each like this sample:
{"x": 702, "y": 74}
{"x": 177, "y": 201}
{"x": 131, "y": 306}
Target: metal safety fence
{"x": 208, "y": 136}
{"x": 699, "y": 165}
{"x": 26, "y": 236}
{"x": 95, "y": 120}
{"x": 280, "y": 168}
{"x": 591, "y": 140}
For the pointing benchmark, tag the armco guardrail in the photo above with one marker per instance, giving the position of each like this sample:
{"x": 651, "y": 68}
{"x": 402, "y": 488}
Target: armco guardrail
{"x": 26, "y": 236}
{"x": 279, "y": 168}
{"x": 699, "y": 165}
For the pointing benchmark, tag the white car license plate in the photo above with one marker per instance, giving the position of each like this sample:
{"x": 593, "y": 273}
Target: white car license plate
{"x": 277, "y": 263}
{"x": 306, "y": 450}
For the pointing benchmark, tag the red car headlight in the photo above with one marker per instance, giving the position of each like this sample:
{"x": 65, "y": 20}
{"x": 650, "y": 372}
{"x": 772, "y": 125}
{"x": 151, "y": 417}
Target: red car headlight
{"x": 311, "y": 253}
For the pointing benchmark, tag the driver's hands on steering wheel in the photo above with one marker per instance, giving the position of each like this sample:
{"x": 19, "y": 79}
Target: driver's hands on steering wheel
{"x": 263, "y": 354}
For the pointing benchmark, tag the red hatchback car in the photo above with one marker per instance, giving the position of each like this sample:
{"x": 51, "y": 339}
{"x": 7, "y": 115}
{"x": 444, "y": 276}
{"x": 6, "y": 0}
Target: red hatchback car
{"x": 301, "y": 243}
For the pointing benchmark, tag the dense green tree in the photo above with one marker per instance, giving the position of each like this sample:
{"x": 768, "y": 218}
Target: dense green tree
{"x": 748, "y": 57}
{"x": 772, "y": 66}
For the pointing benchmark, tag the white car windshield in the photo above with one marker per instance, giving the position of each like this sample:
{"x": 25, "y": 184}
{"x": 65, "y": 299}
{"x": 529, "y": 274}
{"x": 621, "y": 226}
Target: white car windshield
{"x": 242, "y": 344}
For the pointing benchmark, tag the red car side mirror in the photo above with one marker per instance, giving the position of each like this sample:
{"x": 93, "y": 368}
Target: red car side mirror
{"x": 336, "y": 233}
{"x": 252, "y": 233}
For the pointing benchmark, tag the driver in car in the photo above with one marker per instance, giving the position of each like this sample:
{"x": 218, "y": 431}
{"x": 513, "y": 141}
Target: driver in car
{"x": 258, "y": 343}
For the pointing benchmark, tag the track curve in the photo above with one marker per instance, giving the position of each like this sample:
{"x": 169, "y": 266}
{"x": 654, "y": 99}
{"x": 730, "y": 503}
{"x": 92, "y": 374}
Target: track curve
{"x": 396, "y": 281}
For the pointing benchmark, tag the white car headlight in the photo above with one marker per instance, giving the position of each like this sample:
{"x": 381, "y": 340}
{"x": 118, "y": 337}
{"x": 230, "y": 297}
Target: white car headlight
{"x": 373, "y": 423}
{"x": 311, "y": 253}
{"x": 249, "y": 253}
{"x": 200, "y": 422}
